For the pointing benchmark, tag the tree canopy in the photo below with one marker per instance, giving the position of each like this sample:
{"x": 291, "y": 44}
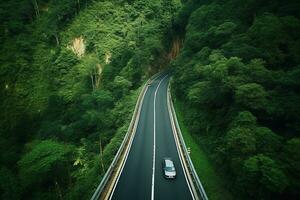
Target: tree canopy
{"x": 236, "y": 76}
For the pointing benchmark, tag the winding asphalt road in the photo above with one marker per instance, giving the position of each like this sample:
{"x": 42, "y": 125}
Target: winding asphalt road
{"x": 142, "y": 177}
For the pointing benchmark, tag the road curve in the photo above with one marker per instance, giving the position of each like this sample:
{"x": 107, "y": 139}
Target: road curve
{"x": 142, "y": 177}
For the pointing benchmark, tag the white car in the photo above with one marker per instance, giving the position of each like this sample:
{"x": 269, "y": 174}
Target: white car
{"x": 168, "y": 168}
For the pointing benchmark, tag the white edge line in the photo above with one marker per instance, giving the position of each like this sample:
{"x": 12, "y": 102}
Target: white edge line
{"x": 173, "y": 130}
{"x": 131, "y": 141}
{"x": 154, "y": 133}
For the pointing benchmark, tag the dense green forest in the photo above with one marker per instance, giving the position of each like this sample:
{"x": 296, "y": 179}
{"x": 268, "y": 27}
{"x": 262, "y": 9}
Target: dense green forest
{"x": 238, "y": 78}
{"x": 70, "y": 73}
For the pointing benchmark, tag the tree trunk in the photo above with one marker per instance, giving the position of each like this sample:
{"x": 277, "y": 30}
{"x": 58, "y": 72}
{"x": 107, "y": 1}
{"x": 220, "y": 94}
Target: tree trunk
{"x": 98, "y": 75}
{"x": 92, "y": 78}
{"x": 36, "y": 8}
{"x": 58, "y": 190}
{"x": 101, "y": 156}
{"x": 57, "y": 40}
{"x": 78, "y": 5}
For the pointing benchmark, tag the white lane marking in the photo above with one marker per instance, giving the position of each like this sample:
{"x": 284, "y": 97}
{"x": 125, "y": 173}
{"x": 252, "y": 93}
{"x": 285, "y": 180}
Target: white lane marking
{"x": 176, "y": 139}
{"x": 131, "y": 141}
{"x": 154, "y": 133}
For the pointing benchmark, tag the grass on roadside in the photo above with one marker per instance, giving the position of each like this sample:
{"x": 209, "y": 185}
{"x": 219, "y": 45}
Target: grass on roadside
{"x": 212, "y": 183}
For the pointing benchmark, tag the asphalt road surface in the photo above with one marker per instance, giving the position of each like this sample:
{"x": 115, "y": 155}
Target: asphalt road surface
{"x": 139, "y": 179}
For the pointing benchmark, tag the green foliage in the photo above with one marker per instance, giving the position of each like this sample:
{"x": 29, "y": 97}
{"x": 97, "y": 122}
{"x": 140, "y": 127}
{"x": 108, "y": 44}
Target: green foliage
{"x": 42, "y": 160}
{"x": 197, "y": 93}
{"x": 291, "y": 161}
{"x": 121, "y": 86}
{"x": 237, "y": 73}
{"x": 103, "y": 99}
{"x": 268, "y": 142}
{"x": 263, "y": 175}
{"x": 8, "y": 184}
{"x": 240, "y": 142}
{"x": 244, "y": 118}
{"x": 251, "y": 96}
{"x": 46, "y": 162}
{"x": 69, "y": 76}
{"x": 214, "y": 185}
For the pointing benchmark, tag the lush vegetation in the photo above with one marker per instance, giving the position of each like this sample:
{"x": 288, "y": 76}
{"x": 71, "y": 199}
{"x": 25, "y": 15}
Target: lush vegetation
{"x": 70, "y": 73}
{"x": 238, "y": 75}
{"x": 213, "y": 184}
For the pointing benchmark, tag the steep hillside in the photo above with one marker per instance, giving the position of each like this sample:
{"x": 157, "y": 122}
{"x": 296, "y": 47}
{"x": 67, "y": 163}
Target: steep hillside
{"x": 237, "y": 77}
{"x": 70, "y": 72}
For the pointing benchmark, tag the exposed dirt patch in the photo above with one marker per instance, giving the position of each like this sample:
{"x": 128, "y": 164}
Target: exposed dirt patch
{"x": 107, "y": 57}
{"x": 176, "y": 44}
{"x": 78, "y": 46}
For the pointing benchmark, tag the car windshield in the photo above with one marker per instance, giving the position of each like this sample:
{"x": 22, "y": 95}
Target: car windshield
{"x": 170, "y": 169}
{"x": 169, "y": 166}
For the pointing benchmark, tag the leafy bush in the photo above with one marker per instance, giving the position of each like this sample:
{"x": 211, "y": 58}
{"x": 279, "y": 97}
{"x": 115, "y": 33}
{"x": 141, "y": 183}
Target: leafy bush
{"x": 236, "y": 73}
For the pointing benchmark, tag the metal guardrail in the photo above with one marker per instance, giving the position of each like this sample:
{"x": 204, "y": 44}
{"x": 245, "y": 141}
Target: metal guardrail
{"x": 192, "y": 170}
{"x": 113, "y": 165}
